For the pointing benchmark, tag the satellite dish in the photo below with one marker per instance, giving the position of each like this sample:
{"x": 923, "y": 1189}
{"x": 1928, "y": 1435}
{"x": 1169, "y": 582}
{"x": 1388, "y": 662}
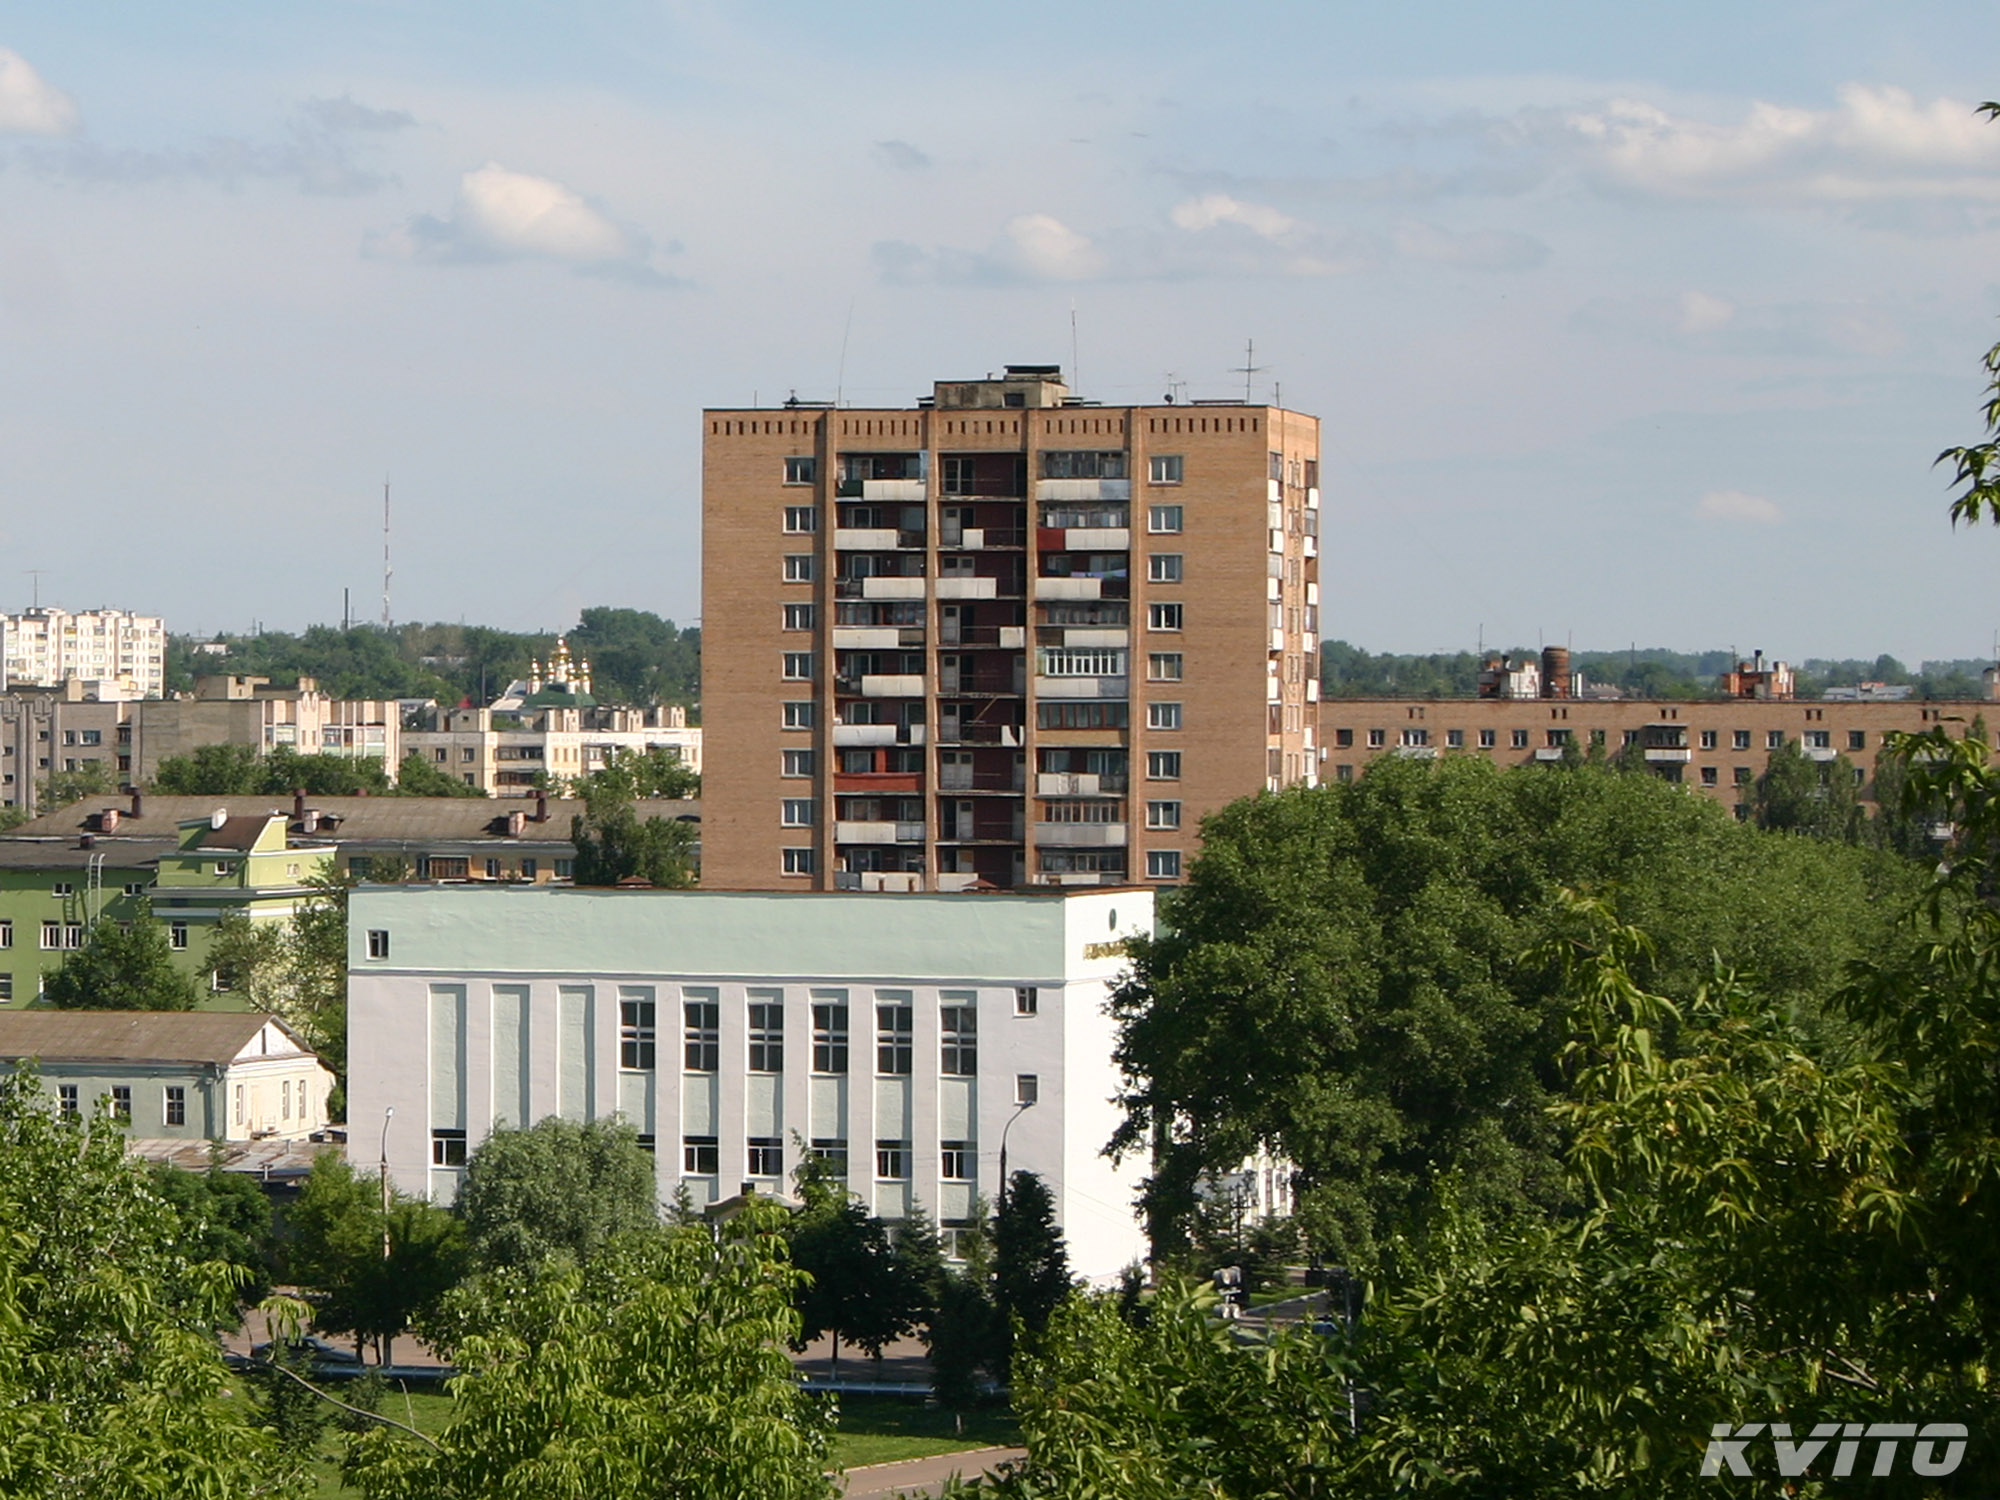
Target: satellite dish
{"x": 217, "y": 818}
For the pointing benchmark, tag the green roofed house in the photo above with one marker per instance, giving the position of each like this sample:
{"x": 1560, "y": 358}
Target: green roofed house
{"x": 53, "y": 889}
{"x": 175, "y": 1075}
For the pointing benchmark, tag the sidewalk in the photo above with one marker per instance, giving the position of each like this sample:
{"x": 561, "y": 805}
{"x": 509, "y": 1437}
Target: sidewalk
{"x": 924, "y": 1476}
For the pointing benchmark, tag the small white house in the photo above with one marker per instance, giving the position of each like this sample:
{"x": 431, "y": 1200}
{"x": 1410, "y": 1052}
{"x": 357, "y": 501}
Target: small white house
{"x": 912, "y": 1039}
{"x": 175, "y": 1075}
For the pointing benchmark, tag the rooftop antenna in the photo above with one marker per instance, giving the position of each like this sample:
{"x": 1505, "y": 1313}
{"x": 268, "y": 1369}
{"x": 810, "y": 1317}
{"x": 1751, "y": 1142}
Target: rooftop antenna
{"x": 387, "y": 571}
{"x": 36, "y": 574}
{"x": 1176, "y": 387}
{"x": 840, "y": 379}
{"x": 1249, "y": 367}
{"x": 1075, "y": 364}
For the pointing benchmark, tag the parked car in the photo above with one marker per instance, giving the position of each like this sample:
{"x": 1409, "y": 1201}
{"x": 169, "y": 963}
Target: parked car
{"x": 321, "y": 1357}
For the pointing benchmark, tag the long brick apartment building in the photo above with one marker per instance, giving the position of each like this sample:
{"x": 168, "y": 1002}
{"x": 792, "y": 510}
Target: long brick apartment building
{"x": 1002, "y": 638}
{"x": 1718, "y": 746}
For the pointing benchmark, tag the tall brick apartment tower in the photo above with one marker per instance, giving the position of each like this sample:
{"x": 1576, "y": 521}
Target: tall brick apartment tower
{"x": 1006, "y": 637}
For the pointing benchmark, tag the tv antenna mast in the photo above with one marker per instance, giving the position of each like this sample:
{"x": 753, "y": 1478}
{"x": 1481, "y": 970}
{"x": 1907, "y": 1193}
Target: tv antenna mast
{"x": 1249, "y": 367}
{"x": 36, "y": 574}
{"x": 387, "y": 571}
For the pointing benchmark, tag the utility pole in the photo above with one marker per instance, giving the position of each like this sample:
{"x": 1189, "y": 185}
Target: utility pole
{"x": 387, "y": 571}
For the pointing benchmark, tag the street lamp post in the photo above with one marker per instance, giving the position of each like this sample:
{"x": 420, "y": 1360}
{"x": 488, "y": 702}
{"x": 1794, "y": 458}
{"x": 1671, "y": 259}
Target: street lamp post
{"x": 1019, "y": 1109}
{"x": 388, "y": 1114}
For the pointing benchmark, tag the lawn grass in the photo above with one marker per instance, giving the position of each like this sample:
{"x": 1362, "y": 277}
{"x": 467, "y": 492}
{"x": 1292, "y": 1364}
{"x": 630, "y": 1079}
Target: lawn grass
{"x": 886, "y": 1429}
{"x": 871, "y": 1430}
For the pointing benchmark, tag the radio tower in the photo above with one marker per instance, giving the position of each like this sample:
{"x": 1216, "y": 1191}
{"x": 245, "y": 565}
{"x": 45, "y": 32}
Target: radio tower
{"x": 387, "y": 571}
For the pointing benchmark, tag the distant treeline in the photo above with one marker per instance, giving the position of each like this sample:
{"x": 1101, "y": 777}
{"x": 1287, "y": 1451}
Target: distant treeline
{"x": 1347, "y": 671}
{"x": 635, "y": 658}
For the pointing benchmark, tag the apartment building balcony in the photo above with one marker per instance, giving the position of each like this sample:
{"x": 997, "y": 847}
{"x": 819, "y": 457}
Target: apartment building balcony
{"x": 1117, "y": 638}
{"x": 1077, "y": 784}
{"x": 889, "y": 685}
{"x": 876, "y": 783}
{"x": 963, "y": 587}
{"x": 1085, "y": 539}
{"x": 1082, "y": 687}
{"x": 1005, "y": 637}
{"x": 874, "y": 637}
{"x": 847, "y": 736}
{"x": 982, "y": 539}
{"x": 880, "y": 586}
{"x": 954, "y": 733}
{"x": 1075, "y": 588}
{"x": 878, "y": 833}
{"x": 1083, "y": 489}
{"x": 876, "y": 539}
{"x": 1681, "y": 755}
{"x": 965, "y": 779}
{"x": 908, "y": 490}
{"x": 1080, "y": 835}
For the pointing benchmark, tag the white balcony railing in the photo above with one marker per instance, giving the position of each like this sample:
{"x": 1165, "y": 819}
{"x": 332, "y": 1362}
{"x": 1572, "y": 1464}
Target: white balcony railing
{"x": 1081, "y": 835}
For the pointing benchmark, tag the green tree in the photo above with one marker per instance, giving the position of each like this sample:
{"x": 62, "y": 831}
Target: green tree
{"x": 633, "y": 774}
{"x": 1030, "y": 1261}
{"x": 557, "y": 1187}
{"x": 210, "y": 771}
{"x": 296, "y": 969}
{"x": 417, "y": 777}
{"x": 1340, "y": 981}
{"x": 1797, "y": 794}
{"x": 855, "y": 1286}
{"x": 336, "y": 1250}
{"x": 225, "y": 1217}
{"x": 122, "y": 968}
{"x": 614, "y": 843}
{"x": 656, "y": 1369}
{"x": 111, "y": 1383}
{"x": 65, "y": 787}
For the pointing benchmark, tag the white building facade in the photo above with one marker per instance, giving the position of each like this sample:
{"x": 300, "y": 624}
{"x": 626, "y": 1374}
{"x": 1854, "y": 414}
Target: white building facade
{"x": 123, "y": 653}
{"x": 912, "y": 1039}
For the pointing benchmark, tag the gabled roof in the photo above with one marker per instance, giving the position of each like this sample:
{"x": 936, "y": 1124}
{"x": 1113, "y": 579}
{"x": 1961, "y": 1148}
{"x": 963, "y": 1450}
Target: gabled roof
{"x": 133, "y": 1036}
{"x": 237, "y": 831}
{"x": 342, "y": 820}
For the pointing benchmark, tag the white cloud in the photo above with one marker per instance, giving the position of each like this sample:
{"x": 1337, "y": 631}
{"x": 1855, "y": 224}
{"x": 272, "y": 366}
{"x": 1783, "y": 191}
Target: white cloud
{"x": 1701, "y": 313}
{"x": 1476, "y": 250}
{"x": 29, "y": 104}
{"x": 1219, "y": 208}
{"x": 1876, "y": 143}
{"x": 1046, "y": 247}
{"x": 500, "y": 214}
{"x": 1737, "y": 507}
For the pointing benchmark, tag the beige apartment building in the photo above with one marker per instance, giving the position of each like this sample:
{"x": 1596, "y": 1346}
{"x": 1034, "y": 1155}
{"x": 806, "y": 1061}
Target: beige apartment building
{"x": 1716, "y": 746}
{"x": 68, "y": 729}
{"x": 1004, "y": 637}
{"x": 120, "y": 654}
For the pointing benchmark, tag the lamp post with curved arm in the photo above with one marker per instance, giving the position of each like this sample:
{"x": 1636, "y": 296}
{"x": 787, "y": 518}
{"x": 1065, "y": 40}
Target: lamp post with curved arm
{"x": 388, "y": 1114}
{"x": 1019, "y": 1109}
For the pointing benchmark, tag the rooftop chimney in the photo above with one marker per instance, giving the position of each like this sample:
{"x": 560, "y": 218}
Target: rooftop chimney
{"x": 517, "y": 823}
{"x": 138, "y": 802}
{"x": 298, "y": 802}
{"x": 541, "y": 807}
{"x": 107, "y": 821}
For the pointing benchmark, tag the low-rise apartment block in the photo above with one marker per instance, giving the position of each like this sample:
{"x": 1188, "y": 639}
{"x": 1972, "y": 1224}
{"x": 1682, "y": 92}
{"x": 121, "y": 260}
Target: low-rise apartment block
{"x": 1718, "y": 746}
{"x": 916, "y": 1042}
{"x": 54, "y": 888}
{"x": 174, "y": 1076}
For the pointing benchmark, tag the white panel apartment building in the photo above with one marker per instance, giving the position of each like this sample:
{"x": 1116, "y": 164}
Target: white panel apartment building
{"x": 912, "y": 1037}
{"x": 125, "y": 653}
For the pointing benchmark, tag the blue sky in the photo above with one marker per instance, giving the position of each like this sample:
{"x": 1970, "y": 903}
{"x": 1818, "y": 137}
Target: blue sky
{"x": 1625, "y": 324}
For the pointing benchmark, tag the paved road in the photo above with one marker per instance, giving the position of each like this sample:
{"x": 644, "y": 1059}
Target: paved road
{"x": 923, "y": 1476}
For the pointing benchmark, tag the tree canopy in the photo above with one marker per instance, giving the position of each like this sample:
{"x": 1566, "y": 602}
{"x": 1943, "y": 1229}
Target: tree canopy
{"x": 557, "y": 1187}
{"x": 228, "y": 770}
{"x": 655, "y": 1369}
{"x": 122, "y": 967}
{"x": 111, "y": 1384}
{"x": 1341, "y": 980}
